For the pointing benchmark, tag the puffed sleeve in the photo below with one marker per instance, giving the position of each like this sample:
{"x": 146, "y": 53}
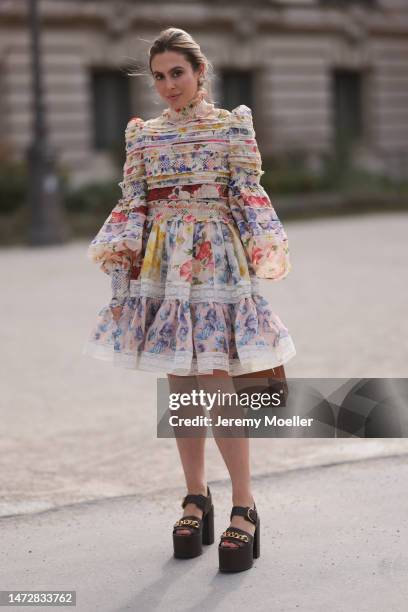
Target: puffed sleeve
{"x": 261, "y": 231}
{"x": 118, "y": 245}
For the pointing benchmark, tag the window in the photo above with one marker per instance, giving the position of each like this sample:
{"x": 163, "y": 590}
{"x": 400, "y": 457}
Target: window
{"x": 110, "y": 107}
{"x": 347, "y": 111}
{"x": 236, "y": 88}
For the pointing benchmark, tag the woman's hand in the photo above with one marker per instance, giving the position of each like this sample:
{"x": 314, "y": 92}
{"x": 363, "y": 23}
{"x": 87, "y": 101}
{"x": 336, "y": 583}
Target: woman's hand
{"x": 117, "y": 312}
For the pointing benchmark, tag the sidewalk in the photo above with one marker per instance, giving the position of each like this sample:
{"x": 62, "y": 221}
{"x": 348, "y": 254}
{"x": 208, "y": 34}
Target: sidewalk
{"x": 76, "y": 429}
{"x": 78, "y": 444}
{"x": 332, "y": 538}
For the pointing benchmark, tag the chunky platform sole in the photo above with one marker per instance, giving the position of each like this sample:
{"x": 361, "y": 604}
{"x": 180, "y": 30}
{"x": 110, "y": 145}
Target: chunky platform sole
{"x": 240, "y": 558}
{"x": 189, "y": 546}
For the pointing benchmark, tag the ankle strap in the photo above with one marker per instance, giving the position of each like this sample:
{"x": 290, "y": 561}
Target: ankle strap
{"x": 201, "y": 501}
{"x": 250, "y": 514}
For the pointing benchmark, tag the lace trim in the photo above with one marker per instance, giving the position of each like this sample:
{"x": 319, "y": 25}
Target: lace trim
{"x": 205, "y": 206}
{"x": 193, "y": 293}
{"x": 191, "y": 217}
{"x": 119, "y": 287}
{"x": 251, "y": 359}
{"x": 197, "y": 107}
{"x": 160, "y": 210}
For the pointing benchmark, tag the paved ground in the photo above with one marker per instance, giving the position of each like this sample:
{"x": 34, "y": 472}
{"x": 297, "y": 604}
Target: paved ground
{"x": 331, "y": 539}
{"x": 77, "y": 430}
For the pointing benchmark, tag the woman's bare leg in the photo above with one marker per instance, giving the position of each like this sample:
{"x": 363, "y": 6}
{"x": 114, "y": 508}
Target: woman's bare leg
{"x": 234, "y": 450}
{"x": 191, "y": 449}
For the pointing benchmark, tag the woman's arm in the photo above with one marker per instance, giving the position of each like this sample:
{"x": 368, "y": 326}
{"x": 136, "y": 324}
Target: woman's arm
{"x": 262, "y": 234}
{"x": 118, "y": 244}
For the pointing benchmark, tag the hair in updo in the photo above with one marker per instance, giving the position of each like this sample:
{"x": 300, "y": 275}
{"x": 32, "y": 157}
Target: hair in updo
{"x": 179, "y": 41}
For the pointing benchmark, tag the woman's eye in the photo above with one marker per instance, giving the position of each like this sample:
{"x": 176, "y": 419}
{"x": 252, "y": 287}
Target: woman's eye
{"x": 177, "y": 73}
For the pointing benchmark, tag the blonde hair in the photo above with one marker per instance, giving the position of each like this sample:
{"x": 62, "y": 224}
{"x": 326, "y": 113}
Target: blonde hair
{"x": 179, "y": 41}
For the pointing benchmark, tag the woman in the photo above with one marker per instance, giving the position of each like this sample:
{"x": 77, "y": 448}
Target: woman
{"x": 185, "y": 246}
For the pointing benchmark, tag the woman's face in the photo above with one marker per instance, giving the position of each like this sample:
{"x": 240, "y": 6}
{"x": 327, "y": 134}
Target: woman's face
{"x": 174, "y": 78}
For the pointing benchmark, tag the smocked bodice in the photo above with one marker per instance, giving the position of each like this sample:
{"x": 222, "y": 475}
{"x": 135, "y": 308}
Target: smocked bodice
{"x": 186, "y": 163}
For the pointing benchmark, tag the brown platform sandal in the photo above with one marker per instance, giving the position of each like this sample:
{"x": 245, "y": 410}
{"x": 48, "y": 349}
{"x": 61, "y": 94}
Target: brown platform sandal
{"x": 201, "y": 529}
{"x": 240, "y": 557}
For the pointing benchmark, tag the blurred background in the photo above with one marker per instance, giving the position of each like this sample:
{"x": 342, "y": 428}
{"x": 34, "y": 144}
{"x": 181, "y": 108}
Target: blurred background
{"x": 327, "y": 81}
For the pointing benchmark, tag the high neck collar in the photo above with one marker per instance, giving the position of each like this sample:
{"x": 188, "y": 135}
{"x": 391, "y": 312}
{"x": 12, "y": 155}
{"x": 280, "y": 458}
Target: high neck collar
{"x": 196, "y": 108}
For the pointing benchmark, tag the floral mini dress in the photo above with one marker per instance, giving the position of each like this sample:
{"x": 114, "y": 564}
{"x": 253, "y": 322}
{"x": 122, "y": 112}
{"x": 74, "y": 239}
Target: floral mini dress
{"x": 185, "y": 247}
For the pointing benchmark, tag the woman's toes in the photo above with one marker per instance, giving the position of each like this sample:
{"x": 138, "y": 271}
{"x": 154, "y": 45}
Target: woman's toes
{"x": 229, "y": 544}
{"x": 182, "y": 532}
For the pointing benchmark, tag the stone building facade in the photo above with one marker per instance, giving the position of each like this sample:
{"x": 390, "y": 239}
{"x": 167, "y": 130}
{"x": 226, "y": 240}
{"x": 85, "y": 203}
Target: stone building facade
{"x": 315, "y": 72}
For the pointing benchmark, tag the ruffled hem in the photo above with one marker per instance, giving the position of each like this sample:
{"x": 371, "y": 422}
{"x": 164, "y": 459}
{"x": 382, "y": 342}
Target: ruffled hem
{"x": 184, "y": 364}
{"x": 182, "y": 337}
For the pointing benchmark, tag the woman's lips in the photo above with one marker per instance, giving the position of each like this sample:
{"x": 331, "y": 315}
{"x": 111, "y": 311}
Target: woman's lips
{"x": 174, "y": 97}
